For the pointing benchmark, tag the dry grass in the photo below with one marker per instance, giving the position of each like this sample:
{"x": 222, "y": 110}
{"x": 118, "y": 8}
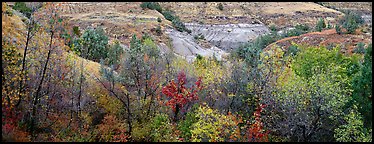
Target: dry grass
{"x": 361, "y": 7}
{"x": 289, "y": 8}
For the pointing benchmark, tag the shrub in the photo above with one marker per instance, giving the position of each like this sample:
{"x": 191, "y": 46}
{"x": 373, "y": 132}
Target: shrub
{"x": 354, "y": 16}
{"x": 256, "y": 132}
{"x": 146, "y": 36}
{"x": 264, "y": 40}
{"x": 211, "y": 71}
{"x": 330, "y": 46}
{"x": 144, "y": 5}
{"x": 312, "y": 60}
{"x": 9, "y": 12}
{"x": 199, "y": 57}
{"x": 350, "y": 25}
{"x": 159, "y": 20}
{"x": 141, "y": 131}
{"x": 220, "y": 7}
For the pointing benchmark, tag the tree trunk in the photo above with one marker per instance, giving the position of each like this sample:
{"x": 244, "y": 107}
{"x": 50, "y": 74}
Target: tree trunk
{"x": 23, "y": 65}
{"x": 80, "y": 95}
{"x": 36, "y": 97}
{"x": 129, "y": 114}
{"x": 176, "y": 112}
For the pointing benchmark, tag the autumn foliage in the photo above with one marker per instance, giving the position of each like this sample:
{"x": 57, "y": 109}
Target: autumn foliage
{"x": 179, "y": 94}
{"x": 256, "y": 133}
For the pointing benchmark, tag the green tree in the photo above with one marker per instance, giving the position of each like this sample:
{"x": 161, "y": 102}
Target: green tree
{"x": 362, "y": 85}
{"x": 76, "y": 31}
{"x": 92, "y": 45}
{"x": 140, "y": 73}
{"x": 311, "y": 95}
{"x": 169, "y": 15}
{"x": 329, "y": 26}
{"x": 180, "y": 25}
{"x": 151, "y": 5}
{"x": 220, "y": 6}
{"x": 338, "y": 29}
{"x": 302, "y": 27}
{"x": 114, "y": 53}
{"x": 185, "y": 125}
{"x": 158, "y": 30}
{"x": 21, "y": 7}
{"x": 273, "y": 28}
{"x": 360, "y": 48}
{"x": 213, "y": 126}
{"x": 306, "y": 62}
{"x": 292, "y": 50}
{"x": 350, "y": 25}
{"x": 320, "y": 25}
{"x": 353, "y": 130}
{"x": 351, "y": 21}
{"x": 161, "y": 128}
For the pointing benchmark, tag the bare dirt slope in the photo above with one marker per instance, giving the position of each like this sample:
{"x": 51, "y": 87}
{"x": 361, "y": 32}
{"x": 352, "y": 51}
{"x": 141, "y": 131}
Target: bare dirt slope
{"x": 229, "y": 36}
{"x": 226, "y": 29}
{"x": 364, "y": 9}
{"x": 283, "y": 14}
{"x": 327, "y": 38}
{"x": 185, "y": 46}
{"x": 120, "y": 20}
